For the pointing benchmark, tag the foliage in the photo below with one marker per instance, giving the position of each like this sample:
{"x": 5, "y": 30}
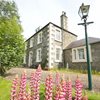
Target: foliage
{"x": 11, "y": 40}
{"x": 44, "y": 63}
{"x": 2, "y": 70}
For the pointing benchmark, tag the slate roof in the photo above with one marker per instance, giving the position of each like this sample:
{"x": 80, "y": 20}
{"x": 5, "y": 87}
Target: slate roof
{"x": 54, "y": 25}
{"x": 81, "y": 42}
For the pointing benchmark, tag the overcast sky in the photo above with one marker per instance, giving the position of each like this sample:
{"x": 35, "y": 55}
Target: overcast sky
{"x": 35, "y": 13}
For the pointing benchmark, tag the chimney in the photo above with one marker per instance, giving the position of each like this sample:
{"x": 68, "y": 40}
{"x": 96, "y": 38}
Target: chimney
{"x": 63, "y": 18}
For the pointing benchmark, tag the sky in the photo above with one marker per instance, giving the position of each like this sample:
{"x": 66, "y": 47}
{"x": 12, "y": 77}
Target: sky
{"x": 35, "y": 13}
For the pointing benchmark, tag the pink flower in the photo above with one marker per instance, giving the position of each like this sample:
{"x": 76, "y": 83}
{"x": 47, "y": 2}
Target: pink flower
{"x": 14, "y": 88}
{"x": 78, "y": 88}
{"x": 22, "y": 87}
{"x": 49, "y": 88}
{"x": 57, "y": 79}
{"x": 61, "y": 90}
{"x": 35, "y": 83}
{"x": 69, "y": 89}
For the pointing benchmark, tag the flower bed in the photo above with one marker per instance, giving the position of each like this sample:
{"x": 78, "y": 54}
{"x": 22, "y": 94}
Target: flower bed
{"x": 54, "y": 90}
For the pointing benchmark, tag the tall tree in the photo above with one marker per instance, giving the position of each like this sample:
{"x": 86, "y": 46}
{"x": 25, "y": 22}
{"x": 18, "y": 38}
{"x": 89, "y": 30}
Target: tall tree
{"x": 11, "y": 40}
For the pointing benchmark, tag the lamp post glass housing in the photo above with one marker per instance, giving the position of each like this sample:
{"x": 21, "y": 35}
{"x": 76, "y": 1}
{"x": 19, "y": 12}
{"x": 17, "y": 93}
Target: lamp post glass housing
{"x": 83, "y": 13}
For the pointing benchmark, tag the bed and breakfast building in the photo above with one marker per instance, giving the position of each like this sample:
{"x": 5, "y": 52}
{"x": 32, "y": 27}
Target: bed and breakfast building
{"x": 56, "y": 46}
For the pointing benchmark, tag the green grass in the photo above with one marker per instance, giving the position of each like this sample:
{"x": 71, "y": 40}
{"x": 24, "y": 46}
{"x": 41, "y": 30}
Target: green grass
{"x": 73, "y": 71}
{"x": 93, "y": 95}
{"x": 5, "y": 87}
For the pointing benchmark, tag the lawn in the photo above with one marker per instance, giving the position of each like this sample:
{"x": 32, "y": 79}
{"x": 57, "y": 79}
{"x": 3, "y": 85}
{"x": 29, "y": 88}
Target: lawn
{"x": 93, "y": 96}
{"x": 5, "y": 87}
{"x": 64, "y": 70}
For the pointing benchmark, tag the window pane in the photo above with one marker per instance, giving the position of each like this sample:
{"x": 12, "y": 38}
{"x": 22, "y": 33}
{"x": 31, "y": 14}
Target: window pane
{"x": 74, "y": 54}
{"x": 31, "y": 42}
{"x": 39, "y": 55}
{"x": 57, "y": 53}
{"x": 81, "y": 53}
{"x": 58, "y": 35}
{"x": 40, "y": 37}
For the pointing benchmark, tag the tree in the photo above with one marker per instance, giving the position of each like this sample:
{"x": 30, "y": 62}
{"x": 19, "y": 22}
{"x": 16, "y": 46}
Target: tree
{"x": 11, "y": 40}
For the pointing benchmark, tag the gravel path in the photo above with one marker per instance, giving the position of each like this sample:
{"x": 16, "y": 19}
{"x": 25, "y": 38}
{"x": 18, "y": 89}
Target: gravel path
{"x": 95, "y": 78}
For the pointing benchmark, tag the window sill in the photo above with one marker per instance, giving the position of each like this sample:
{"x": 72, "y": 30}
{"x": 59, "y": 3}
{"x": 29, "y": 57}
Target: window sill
{"x": 30, "y": 47}
{"x": 39, "y": 43}
{"x": 58, "y": 61}
{"x": 58, "y": 40}
{"x": 38, "y": 61}
{"x": 79, "y": 61}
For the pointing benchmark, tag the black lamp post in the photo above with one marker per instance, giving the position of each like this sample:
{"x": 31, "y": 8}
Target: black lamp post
{"x": 83, "y": 13}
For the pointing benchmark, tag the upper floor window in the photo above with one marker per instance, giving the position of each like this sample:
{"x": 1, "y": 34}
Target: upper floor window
{"x": 58, "y": 54}
{"x": 38, "y": 57}
{"x": 39, "y": 37}
{"x": 79, "y": 54}
{"x": 31, "y": 42}
{"x": 58, "y": 35}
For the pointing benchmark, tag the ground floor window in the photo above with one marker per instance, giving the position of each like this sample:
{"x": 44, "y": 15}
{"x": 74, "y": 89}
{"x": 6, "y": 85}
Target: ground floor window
{"x": 38, "y": 58}
{"x": 58, "y": 54}
{"x": 79, "y": 54}
{"x": 30, "y": 58}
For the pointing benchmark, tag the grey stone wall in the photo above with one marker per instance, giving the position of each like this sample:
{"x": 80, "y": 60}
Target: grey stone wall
{"x": 67, "y": 38}
{"x": 96, "y": 56}
{"x": 44, "y": 46}
{"x": 95, "y": 64}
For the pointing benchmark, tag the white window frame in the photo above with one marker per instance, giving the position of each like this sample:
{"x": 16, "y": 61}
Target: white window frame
{"x": 24, "y": 61}
{"x": 60, "y": 54}
{"x": 81, "y": 53}
{"x": 75, "y": 56}
{"x": 39, "y": 38}
{"x": 31, "y": 42}
{"x": 30, "y": 58}
{"x": 58, "y": 36}
{"x": 38, "y": 56}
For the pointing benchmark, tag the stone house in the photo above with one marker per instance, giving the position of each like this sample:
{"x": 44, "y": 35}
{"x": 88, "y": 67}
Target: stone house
{"x": 47, "y": 44}
{"x": 75, "y": 54}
